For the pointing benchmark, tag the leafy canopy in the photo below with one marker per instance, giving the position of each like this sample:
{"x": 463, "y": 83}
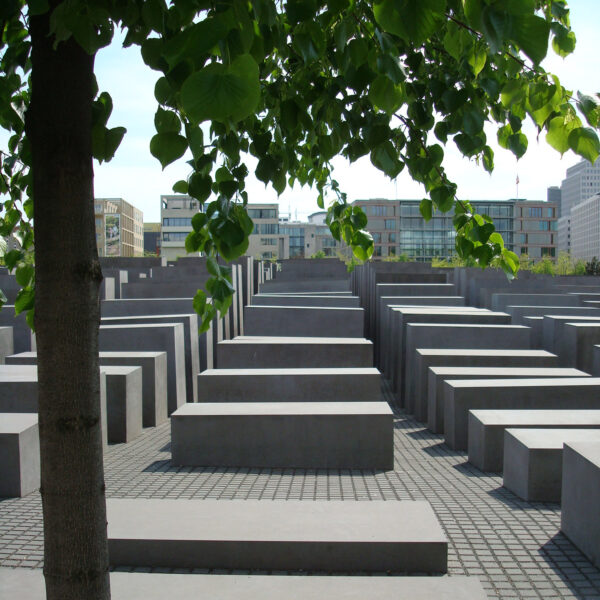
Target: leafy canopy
{"x": 297, "y": 83}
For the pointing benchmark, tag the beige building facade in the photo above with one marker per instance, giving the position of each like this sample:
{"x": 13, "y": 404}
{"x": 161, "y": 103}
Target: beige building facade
{"x": 119, "y": 228}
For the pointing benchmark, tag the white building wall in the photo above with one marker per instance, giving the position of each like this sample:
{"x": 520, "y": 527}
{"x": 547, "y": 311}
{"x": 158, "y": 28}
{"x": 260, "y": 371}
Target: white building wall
{"x": 585, "y": 229}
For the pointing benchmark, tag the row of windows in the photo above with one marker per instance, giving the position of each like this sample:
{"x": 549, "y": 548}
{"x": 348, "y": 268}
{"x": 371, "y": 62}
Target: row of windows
{"x": 262, "y": 213}
{"x": 268, "y": 241}
{"x": 174, "y": 236}
{"x": 177, "y": 222}
{"x": 266, "y": 228}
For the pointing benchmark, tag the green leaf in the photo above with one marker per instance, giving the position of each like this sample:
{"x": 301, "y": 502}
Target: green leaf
{"x": 166, "y": 121}
{"x": 168, "y": 147}
{"x": 426, "y": 208}
{"x": 180, "y": 187}
{"x": 564, "y": 41}
{"x": 38, "y": 7}
{"x": 362, "y": 245}
{"x": 477, "y": 59}
{"x": 412, "y": 20}
{"x": 584, "y": 141}
{"x": 384, "y": 95}
{"x": 12, "y": 258}
{"x": 200, "y": 187}
{"x": 531, "y": 33}
{"x": 222, "y": 93}
{"x": 24, "y": 274}
{"x": 443, "y": 196}
{"x": 385, "y": 158}
{"x": 517, "y": 144}
{"x": 24, "y": 300}
{"x": 559, "y": 130}
{"x": 212, "y": 266}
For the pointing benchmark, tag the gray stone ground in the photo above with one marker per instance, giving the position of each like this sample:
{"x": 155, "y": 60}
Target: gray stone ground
{"x": 513, "y": 546}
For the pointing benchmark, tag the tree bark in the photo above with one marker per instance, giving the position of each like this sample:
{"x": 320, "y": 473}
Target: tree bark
{"x": 67, "y": 315}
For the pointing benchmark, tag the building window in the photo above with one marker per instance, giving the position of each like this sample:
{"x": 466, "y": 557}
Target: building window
{"x": 268, "y": 241}
{"x": 177, "y": 222}
{"x": 174, "y": 236}
{"x": 390, "y": 224}
{"x": 266, "y": 228}
{"x": 535, "y": 211}
{"x": 376, "y": 237}
{"x": 392, "y": 238}
{"x": 262, "y": 213}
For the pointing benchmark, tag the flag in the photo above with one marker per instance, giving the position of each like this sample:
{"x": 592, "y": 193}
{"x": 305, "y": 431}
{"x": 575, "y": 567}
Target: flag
{"x": 517, "y": 180}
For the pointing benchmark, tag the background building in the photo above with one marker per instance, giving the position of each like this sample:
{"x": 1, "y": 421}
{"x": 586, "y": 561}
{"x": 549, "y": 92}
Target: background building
{"x": 176, "y": 212}
{"x": 585, "y": 228}
{"x": 398, "y": 228}
{"x": 266, "y": 241}
{"x": 152, "y": 238}
{"x": 119, "y": 228}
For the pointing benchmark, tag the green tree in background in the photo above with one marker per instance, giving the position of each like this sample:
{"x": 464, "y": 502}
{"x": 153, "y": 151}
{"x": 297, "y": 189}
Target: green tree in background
{"x": 292, "y": 83}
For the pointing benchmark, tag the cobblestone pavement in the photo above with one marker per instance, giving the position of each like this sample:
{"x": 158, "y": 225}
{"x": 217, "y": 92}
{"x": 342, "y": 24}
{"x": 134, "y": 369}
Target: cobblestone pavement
{"x": 513, "y": 546}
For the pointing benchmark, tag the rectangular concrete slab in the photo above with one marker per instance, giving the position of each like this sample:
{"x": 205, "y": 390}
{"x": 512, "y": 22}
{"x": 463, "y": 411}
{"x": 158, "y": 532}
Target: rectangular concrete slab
{"x": 246, "y": 352}
{"x": 164, "y": 337}
{"x": 519, "y": 312}
{"x": 501, "y": 301}
{"x": 438, "y": 375}
{"x": 290, "y": 385}
{"x": 432, "y": 357}
{"x": 461, "y": 396}
{"x": 312, "y": 435}
{"x": 303, "y": 321}
{"x": 581, "y": 497}
{"x": 339, "y": 301}
{"x": 123, "y": 403}
{"x": 28, "y": 584}
{"x": 533, "y": 460}
{"x": 552, "y": 331}
{"x": 19, "y": 454}
{"x": 578, "y": 342}
{"x": 486, "y": 430}
{"x": 448, "y": 335}
{"x": 276, "y": 535}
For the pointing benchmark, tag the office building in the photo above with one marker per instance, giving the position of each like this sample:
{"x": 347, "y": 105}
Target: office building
{"x": 266, "y": 241}
{"x": 585, "y": 229}
{"x": 176, "y": 212}
{"x": 119, "y": 228}
{"x": 152, "y": 238}
{"x": 581, "y": 182}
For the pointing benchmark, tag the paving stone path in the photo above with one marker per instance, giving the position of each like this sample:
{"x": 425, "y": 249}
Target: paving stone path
{"x": 513, "y": 546}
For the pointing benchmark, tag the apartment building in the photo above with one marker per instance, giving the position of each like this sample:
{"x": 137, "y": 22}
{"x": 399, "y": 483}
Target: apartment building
{"x": 176, "y": 212}
{"x": 119, "y": 228}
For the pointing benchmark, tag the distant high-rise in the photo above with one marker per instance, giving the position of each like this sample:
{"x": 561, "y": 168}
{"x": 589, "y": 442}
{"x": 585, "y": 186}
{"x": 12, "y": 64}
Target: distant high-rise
{"x": 582, "y": 182}
{"x": 553, "y": 194}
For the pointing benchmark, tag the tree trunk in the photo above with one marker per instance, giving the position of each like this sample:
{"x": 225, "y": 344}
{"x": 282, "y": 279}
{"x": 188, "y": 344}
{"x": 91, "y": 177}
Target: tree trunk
{"x": 67, "y": 314}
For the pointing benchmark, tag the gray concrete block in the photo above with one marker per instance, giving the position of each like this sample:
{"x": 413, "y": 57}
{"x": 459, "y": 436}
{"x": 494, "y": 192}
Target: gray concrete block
{"x": 501, "y": 301}
{"x": 578, "y": 344}
{"x": 519, "y": 312}
{"x": 438, "y": 375}
{"x": 401, "y": 318}
{"x": 301, "y": 321}
{"x": 447, "y": 335}
{"x": 276, "y": 535}
{"x": 336, "y": 301}
{"x": 123, "y": 403}
{"x": 533, "y": 460}
{"x": 461, "y": 396}
{"x": 164, "y": 337}
{"x": 19, "y": 454}
{"x": 18, "y": 389}
{"x": 310, "y": 435}
{"x": 486, "y": 430}
{"x": 552, "y": 331}
{"x": 581, "y": 497}
{"x": 190, "y": 336}
{"x": 431, "y": 357}
{"x": 6, "y": 343}
{"x": 28, "y": 584}
{"x": 290, "y": 385}
{"x": 250, "y": 352}
{"x": 305, "y": 285}
{"x": 535, "y": 325}
{"x": 21, "y": 331}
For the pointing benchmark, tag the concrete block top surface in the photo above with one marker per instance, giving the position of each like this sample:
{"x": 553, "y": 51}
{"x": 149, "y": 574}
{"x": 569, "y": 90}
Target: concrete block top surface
{"x": 552, "y": 439}
{"x": 193, "y": 409}
{"x": 501, "y": 371}
{"x": 148, "y": 316}
{"x": 296, "y": 308}
{"x": 286, "y": 371}
{"x": 118, "y": 370}
{"x": 273, "y": 521}
{"x": 259, "y": 339}
{"x": 551, "y": 382}
{"x": 470, "y": 326}
{"x": 533, "y": 417}
{"x": 18, "y": 373}
{"x": 470, "y": 352}
{"x": 588, "y": 450}
{"x": 142, "y": 326}
{"x": 441, "y": 310}
{"x": 130, "y": 354}
{"x": 28, "y": 584}
{"x": 17, "y": 422}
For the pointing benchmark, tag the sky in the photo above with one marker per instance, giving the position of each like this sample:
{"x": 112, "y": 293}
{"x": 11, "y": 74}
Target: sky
{"x": 135, "y": 175}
